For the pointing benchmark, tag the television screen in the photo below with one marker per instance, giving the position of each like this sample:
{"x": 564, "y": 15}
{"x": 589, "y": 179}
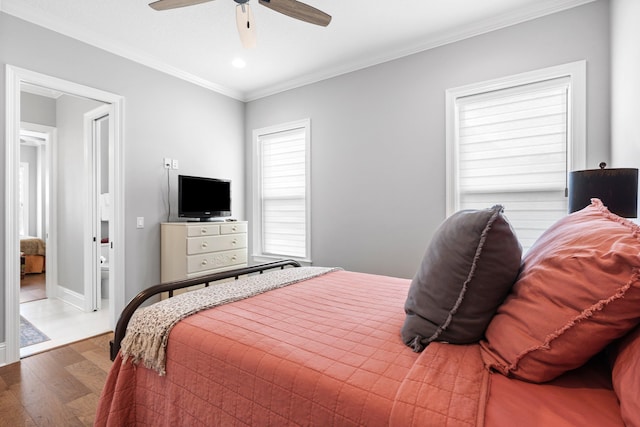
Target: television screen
{"x": 203, "y": 198}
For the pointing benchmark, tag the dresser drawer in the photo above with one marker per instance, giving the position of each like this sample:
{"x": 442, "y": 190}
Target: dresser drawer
{"x": 191, "y": 249}
{"x": 198, "y": 263}
{"x": 234, "y": 227}
{"x": 201, "y": 245}
{"x": 203, "y": 230}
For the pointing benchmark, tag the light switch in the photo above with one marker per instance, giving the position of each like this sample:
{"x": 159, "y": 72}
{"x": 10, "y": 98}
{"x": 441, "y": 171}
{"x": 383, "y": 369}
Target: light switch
{"x": 140, "y": 222}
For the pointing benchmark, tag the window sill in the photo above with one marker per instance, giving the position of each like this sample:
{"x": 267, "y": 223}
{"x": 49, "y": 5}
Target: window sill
{"x": 259, "y": 259}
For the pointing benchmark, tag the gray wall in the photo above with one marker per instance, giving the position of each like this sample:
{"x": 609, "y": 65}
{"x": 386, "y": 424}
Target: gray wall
{"x": 378, "y": 135}
{"x": 65, "y": 113}
{"x": 625, "y": 54}
{"x": 71, "y": 189}
{"x": 164, "y": 117}
{"x": 37, "y": 109}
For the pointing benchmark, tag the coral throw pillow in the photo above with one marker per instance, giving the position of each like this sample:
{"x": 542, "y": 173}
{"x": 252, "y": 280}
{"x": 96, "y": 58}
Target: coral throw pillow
{"x": 626, "y": 376}
{"x": 467, "y": 271}
{"x": 578, "y": 290}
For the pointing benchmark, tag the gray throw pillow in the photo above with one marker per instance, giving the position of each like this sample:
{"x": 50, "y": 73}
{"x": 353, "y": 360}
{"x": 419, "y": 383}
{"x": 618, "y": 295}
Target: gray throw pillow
{"x": 468, "y": 269}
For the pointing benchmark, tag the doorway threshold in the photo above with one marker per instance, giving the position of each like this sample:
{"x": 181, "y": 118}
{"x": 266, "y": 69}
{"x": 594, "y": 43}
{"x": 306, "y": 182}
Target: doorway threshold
{"x": 62, "y": 323}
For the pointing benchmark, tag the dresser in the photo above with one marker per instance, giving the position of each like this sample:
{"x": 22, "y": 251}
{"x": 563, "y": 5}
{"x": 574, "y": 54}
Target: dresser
{"x": 196, "y": 249}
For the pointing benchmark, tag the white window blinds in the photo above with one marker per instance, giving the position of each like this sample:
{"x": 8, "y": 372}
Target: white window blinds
{"x": 513, "y": 150}
{"x": 283, "y": 193}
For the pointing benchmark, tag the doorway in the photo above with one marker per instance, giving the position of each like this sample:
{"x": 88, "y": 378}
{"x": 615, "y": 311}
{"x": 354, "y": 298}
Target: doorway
{"x": 37, "y": 143}
{"x": 16, "y": 78}
{"x": 50, "y": 314}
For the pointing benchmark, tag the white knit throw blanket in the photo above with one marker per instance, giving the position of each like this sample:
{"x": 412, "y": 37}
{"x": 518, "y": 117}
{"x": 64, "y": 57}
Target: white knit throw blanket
{"x": 148, "y": 329}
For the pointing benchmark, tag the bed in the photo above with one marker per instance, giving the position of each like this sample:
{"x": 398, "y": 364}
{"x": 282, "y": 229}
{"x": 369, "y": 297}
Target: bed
{"x": 332, "y": 347}
{"x": 33, "y": 250}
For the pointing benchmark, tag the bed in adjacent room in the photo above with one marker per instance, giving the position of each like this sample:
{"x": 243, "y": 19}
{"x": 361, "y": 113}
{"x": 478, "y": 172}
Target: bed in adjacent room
{"x": 485, "y": 345}
{"x": 33, "y": 249}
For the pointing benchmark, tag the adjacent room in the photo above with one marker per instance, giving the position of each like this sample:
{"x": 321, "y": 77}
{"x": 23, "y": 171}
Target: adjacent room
{"x": 405, "y": 178}
{"x": 52, "y": 311}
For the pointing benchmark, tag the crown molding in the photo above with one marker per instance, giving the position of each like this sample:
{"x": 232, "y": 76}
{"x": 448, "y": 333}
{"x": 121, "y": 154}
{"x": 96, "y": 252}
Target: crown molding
{"x": 539, "y": 10}
{"x": 29, "y": 14}
{"x": 536, "y": 10}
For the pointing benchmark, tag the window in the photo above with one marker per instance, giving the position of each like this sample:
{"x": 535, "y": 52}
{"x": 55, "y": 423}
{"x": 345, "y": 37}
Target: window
{"x": 512, "y": 142}
{"x": 281, "y": 191}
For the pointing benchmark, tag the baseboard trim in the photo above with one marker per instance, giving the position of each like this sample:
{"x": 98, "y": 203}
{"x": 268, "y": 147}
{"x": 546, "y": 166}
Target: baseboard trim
{"x": 3, "y": 354}
{"x": 71, "y": 297}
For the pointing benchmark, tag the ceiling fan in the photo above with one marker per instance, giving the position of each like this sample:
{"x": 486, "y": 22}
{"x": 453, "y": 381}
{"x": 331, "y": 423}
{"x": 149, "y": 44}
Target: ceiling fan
{"x": 244, "y": 15}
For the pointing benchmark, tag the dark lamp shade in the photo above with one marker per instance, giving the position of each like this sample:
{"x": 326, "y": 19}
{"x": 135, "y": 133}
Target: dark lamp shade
{"x": 616, "y": 188}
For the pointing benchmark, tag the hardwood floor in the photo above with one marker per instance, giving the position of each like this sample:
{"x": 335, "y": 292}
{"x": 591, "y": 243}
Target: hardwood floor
{"x": 32, "y": 287}
{"x": 60, "y": 387}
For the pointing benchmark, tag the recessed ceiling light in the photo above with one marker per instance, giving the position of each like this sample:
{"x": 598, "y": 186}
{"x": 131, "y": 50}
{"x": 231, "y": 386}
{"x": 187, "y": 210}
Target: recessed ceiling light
{"x": 239, "y": 63}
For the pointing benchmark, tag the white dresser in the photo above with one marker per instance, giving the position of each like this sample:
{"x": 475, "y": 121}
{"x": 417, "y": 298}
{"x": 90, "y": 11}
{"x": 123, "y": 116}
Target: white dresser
{"x": 194, "y": 249}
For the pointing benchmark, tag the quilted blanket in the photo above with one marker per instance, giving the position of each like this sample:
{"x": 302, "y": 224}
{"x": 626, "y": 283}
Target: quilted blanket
{"x": 148, "y": 330}
{"x": 322, "y": 352}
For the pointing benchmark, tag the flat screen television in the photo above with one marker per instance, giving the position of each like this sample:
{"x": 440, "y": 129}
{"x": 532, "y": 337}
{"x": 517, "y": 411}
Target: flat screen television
{"x": 203, "y": 199}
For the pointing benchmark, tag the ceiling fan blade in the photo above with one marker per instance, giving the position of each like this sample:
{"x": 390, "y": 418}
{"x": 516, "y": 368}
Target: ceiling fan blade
{"x": 298, "y": 10}
{"x": 246, "y": 25}
{"x": 173, "y": 4}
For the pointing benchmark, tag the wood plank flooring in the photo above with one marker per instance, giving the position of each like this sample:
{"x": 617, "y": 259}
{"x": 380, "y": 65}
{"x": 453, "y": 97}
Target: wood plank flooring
{"x": 33, "y": 287}
{"x": 59, "y": 387}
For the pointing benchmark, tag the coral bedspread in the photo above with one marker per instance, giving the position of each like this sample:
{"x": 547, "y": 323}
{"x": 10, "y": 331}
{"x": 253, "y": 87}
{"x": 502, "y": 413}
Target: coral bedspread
{"x": 326, "y": 351}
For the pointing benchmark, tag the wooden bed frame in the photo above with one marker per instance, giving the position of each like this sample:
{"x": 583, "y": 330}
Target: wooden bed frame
{"x": 138, "y": 300}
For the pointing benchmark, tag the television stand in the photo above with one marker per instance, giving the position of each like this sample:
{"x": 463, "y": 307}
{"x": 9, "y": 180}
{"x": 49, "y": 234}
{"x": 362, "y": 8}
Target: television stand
{"x": 193, "y": 249}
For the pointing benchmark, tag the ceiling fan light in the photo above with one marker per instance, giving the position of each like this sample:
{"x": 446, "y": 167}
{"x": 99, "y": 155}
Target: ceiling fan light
{"x": 246, "y": 25}
{"x": 239, "y": 63}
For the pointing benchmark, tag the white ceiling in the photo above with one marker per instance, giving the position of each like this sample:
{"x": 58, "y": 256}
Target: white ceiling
{"x": 199, "y": 43}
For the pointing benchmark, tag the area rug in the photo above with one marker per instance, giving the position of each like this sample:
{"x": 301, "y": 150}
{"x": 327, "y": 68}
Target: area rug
{"x": 29, "y": 334}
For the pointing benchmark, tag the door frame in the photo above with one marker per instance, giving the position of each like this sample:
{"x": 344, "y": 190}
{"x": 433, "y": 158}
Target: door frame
{"x": 92, "y": 269}
{"x": 46, "y": 165}
{"x": 15, "y": 76}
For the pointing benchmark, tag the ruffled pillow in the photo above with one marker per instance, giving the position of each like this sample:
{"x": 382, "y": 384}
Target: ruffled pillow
{"x": 467, "y": 271}
{"x": 579, "y": 289}
{"x": 625, "y": 375}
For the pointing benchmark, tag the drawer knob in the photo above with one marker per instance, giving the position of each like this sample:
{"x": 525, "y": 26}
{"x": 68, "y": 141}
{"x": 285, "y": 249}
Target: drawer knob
{"x": 235, "y": 241}
{"x": 234, "y": 228}
{"x": 204, "y": 262}
{"x": 203, "y": 230}
{"x": 233, "y": 258}
{"x": 204, "y": 245}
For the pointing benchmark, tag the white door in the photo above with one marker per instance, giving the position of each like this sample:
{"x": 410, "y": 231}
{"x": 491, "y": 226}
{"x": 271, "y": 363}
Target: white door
{"x": 97, "y": 143}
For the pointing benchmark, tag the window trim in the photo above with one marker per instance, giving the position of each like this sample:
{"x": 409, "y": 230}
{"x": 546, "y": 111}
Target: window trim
{"x": 257, "y": 254}
{"x": 576, "y": 144}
